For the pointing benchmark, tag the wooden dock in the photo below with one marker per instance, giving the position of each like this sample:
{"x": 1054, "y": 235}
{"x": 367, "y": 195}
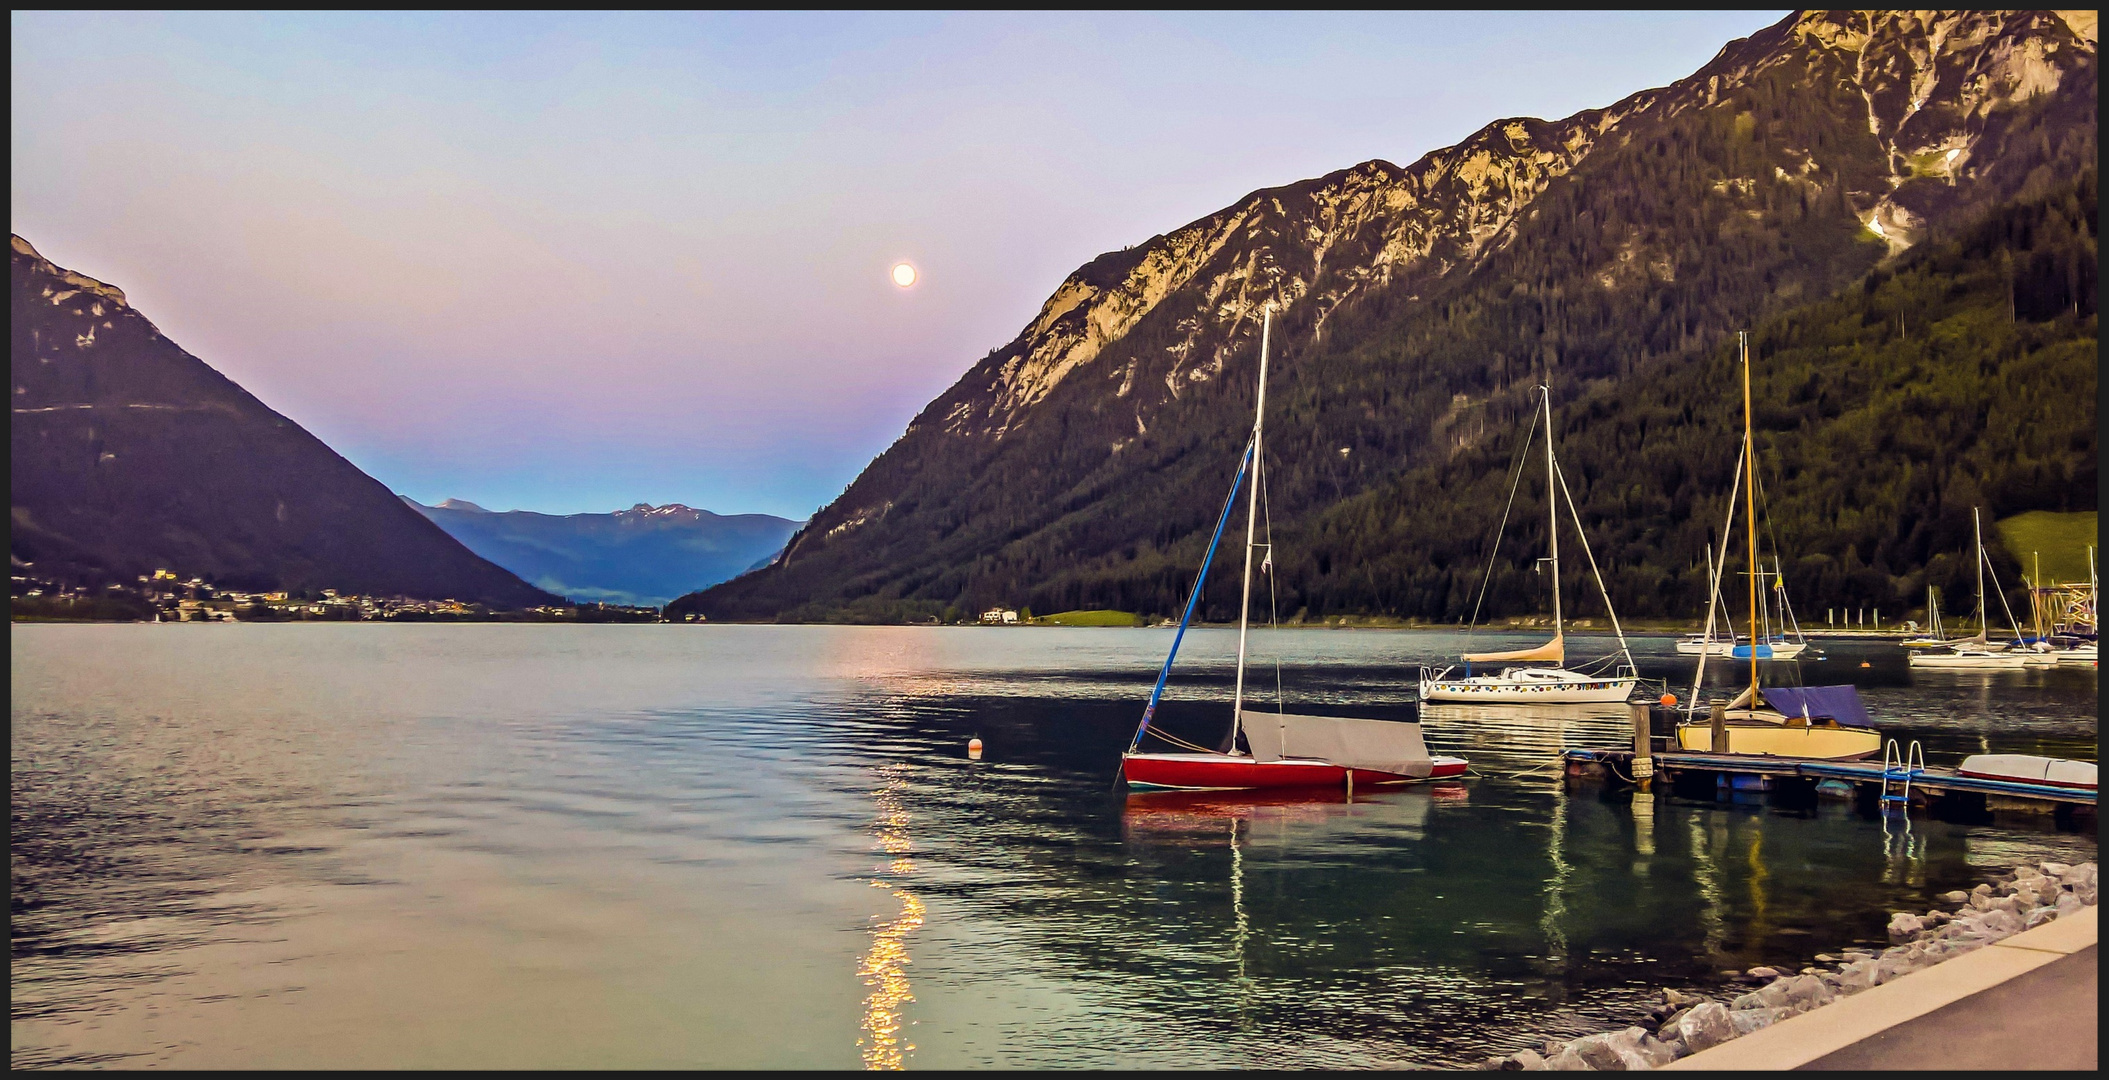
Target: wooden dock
{"x": 1866, "y": 779}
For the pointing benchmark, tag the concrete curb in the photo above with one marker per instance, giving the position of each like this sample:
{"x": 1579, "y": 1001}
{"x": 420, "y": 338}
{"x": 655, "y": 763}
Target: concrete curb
{"x": 1798, "y": 1040}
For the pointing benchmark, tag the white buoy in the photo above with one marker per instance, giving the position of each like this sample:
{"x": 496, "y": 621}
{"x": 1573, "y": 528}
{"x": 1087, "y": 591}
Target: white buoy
{"x": 974, "y": 749}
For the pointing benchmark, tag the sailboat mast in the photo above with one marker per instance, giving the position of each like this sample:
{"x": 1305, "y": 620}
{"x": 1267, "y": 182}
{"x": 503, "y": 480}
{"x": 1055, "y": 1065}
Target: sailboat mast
{"x": 1750, "y": 510}
{"x": 1252, "y": 512}
{"x": 2035, "y": 593}
{"x": 1984, "y": 621}
{"x": 1552, "y": 511}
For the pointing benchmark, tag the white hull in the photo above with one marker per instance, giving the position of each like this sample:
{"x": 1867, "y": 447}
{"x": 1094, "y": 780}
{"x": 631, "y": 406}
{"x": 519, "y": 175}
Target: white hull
{"x": 1564, "y": 688}
{"x": 2084, "y": 656}
{"x": 1970, "y": 661}
{"x": 1773, "y": 650}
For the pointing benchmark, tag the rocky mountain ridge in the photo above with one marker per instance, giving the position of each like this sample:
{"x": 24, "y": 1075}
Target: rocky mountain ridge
{"x": 1377, "y": 222}
{"x": 1414, "y": 305}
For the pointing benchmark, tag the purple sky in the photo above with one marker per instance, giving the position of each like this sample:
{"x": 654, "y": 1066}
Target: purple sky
{"x": 573, "y": 262}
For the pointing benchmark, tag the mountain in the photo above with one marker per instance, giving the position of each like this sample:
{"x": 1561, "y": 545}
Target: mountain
{"x": 646, "y": 555}
{"x": 130, "y": 455}
{"x": 1417, "y": 309}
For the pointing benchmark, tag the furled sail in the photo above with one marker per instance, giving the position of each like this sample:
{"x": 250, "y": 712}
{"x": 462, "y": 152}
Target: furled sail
{"x": 1552, "y": 652}
{"x": 1377, "y": 745}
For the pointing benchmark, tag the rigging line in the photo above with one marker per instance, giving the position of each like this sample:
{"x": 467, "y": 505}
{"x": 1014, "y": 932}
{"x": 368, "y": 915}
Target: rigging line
{"x": 1727, "y": 528}
{"x": 1757, "y": 478}
{"x": 1996, "y": 587}
{"x": 1179, "y": 742}
{"x": 1605, "y": 593}
{"x": 1229, "y": 501}
{"x": 1515, "y": 481}
{"x": 1267, "y": 567}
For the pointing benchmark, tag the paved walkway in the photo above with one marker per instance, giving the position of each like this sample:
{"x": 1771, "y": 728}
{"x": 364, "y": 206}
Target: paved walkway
{"x": 2043, "y": 1019}
{"x": 2027, "y": 1002}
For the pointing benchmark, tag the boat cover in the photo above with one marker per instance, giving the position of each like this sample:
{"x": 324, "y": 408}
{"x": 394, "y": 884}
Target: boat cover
{"x": 1378, "y": 745}
{"x": 1552, "y": 652}
{"x": 1840, "y": 703}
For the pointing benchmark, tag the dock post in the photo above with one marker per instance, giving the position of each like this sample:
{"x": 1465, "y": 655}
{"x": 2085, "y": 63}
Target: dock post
{"x": 1719, "y": 718}
{"x": 1643, "y": 748}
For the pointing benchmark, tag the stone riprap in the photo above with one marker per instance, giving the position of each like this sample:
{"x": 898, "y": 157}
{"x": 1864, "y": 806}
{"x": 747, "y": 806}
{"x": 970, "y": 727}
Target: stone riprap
{"x": 1686, "y": 1023}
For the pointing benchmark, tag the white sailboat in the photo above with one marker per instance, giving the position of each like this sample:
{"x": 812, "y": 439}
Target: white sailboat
{"x": 1539, "y": 676}
{"x": 1975, "y": 652}
{"x": 1775, "y": 644}
{"x": 1932, "y": 638}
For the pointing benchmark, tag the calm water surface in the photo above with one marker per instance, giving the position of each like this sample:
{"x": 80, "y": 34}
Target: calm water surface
{"x": 331, "y": 845}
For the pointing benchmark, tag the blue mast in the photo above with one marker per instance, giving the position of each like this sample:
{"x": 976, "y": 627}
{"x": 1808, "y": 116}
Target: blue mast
{"x": 1229, "y": 500}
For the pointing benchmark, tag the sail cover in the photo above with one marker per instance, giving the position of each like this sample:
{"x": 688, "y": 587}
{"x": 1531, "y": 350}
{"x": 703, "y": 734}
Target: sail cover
{"x": 1840, "y": 703}
{"x": 1552, "y": 652}
{"x": 1378, "y": 745}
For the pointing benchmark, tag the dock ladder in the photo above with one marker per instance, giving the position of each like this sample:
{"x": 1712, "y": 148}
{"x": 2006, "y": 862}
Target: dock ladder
{"x": 1899, "y": 767}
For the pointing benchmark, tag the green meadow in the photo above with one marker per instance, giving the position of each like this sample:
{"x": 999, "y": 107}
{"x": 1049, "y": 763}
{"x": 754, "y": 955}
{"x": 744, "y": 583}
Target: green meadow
{"x": 1098, "y": 617}
{"x": 2061, "y": 539}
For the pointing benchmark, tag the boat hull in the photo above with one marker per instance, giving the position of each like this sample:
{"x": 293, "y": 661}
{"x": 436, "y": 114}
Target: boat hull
{"x": 1495, "y": 689}
{"x": 1226, "y": 772}
{"x": 2031, "y": 769}
{"x": 1775, "y": 650}
{"x": 1969, "y": 661}
{"x": 1779, "y": 740}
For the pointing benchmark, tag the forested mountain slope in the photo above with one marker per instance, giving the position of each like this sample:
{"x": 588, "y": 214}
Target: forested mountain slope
{"x": 1081, "y": 465}
{"x": 129, "y": 455}
{"x": 1962, "y": 375}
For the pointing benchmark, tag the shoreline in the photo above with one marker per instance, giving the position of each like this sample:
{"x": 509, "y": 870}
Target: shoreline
{"x": 1700, "y": 1031}
{"x": 1573, "y": 632}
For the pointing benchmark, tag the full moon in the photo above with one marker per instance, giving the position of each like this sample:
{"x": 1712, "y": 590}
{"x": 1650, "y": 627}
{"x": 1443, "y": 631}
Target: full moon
{"x": 903, "y": 275}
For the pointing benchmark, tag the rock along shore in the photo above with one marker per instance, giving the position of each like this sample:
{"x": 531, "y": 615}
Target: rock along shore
{"x": 1688, "y": 1023}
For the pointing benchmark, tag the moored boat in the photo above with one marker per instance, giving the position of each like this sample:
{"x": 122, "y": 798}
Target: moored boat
{"x": 1539, "y": 675}
{"x": 1826, "y": 722}
{"x": 2030, "y": 769}
{"x": 1805, "y": 722}
{"x": 2087, "y": 655}
{"x": 1979, "y": 652}
{"x": 1775, "y": 648}
{"x": 1281, "y": 750}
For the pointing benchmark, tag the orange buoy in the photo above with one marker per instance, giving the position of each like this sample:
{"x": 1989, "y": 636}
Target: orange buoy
{"x": 974, "y": 749}
{"x": 1668, "y": 701}
{"x": 1864, "y": 663}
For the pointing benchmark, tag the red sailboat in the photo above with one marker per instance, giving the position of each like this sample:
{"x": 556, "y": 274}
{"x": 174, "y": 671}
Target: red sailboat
{"x": 1280, "y": 749}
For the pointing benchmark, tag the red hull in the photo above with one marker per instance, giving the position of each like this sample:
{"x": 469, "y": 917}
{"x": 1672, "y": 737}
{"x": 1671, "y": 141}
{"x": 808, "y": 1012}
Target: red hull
{"x": 1222, "y": 772}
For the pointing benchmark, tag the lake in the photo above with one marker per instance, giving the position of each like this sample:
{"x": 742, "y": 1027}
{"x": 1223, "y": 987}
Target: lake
{"x": 347, "y": 845}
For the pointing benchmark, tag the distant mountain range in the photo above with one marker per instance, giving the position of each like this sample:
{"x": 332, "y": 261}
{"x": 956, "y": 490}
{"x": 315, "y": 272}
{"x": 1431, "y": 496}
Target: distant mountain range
{"x": 129, "y": 455}
{"x": 646, "y": 555}
{"x": 1838, "y": 169}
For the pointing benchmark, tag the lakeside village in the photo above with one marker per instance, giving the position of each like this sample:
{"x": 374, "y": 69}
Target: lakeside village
{"x": 164, "y": 597}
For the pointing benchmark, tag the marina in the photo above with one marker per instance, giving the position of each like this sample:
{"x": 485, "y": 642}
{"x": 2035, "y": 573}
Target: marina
{"x": 1934, "y": 788}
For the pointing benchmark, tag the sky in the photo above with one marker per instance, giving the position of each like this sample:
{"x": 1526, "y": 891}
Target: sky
{"x": 574, "y": 262}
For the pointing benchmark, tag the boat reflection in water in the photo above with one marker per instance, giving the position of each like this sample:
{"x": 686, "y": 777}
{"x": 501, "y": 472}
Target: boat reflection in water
{"x": 1530, "y": 731}
{"x": 883, "y": 968}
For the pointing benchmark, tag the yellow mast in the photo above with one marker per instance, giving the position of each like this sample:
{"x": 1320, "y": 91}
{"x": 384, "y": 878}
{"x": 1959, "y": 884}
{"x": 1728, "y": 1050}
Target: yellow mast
{"x": 1750, "y": 512}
